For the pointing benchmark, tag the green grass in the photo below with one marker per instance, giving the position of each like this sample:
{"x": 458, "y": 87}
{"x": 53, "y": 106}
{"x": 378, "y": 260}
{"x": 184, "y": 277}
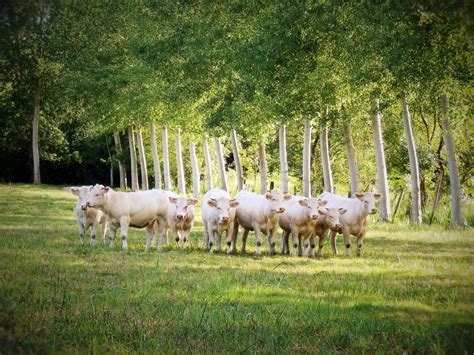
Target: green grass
{"x": 411, "y": 291}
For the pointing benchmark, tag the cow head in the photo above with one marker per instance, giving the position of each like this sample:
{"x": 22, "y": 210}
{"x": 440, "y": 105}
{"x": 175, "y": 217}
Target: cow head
{"x": 82, "y": 193}
{"x": 182, "y": 204}
{"x": 275, "y": 200}
{"x": 369, "y": 199}
{"x": 312, "y": 204}
{"x": 332, "y": 217}
{"x": 222, "y": 207}
{"x": 97, "y": 196}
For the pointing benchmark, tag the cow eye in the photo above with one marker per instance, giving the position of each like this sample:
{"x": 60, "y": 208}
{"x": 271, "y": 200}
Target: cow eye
{"x": 97, "y": 195}
{"x": 273, "y": 199}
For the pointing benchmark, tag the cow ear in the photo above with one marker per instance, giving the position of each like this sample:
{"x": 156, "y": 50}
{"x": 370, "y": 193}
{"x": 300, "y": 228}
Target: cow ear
{"x": 322, "y": 202}
{"x": 377, "y": 196}
{"x": 286, "y": 197}
{"x": 91, "y": 187}
{"x": 212, "y": 202}
{"x": 359, "y": 195}
{"x": 342, "y": 210}
{"x": 192, "y": 202}
{"x": 322, "y": 211}
{"x": 268, "y": 196}
{"x": 172, "y": 199}
{"x": 234, "y": 203}
{"x": 303, "y": 202}
{"x": 74, "y": 190}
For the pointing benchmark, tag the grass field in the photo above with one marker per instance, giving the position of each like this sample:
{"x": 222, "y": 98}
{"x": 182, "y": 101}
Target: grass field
{"x": 411, "y": 291}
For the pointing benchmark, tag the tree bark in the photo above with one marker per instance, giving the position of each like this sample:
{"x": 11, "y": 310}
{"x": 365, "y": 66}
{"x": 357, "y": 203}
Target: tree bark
{"x": 283, "y": 159}
{"x": 351, "y": 159}
{"x": 414, "y": 168}
{"x": 155, "y": 156}
{"x": 381, "y": 167}
{"x": 437, "y": 195}
{"x": 457, "y": 217}
{"x": 325, "y": 158}
{"x": 142, "y": 157}
{"x": 35, "y": 137}
{"x": 238, "y": 166}
{"x": 195, "y": 170}
{"x": 122, "y": 171}
{"x": 166, "y": 160}
{"x": 262, "y": 167}
{"x": 133, "y": 159}
{"x": 179, "y": 165}
{"x": 307, "y": 159}
{"x": 221, "y": 166}
{"x": 208, "y": 163}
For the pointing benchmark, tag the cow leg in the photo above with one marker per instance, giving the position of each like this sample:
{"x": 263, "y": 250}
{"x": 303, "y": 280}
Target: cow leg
{"x": 124, "y": 223}
{"x": 112, "y": 232}
{"x": 232, "y": 247}
{"x": 206, "y": 237}
{"x": 360, "y": 243}
{"x": 347, "y": 241}
{"x": 271, "y": 242}
{"x": 258, "y": 237}
{"x": 94, "y": 227}
{"x": 321, "y": 243}
{"x": 82, "y": 231}
{"x": 333, "y": 242}
{"x": 245, "y": 234}
{"x": 217, "y": 238}
{"x": 284, "y": 242}
{"x": 162, "y": 233}
{"x": 150, "y": 235}
{"x": 104, "y": 231}
{"x": 295, "y": 237}
{"x": 312, "y": 244}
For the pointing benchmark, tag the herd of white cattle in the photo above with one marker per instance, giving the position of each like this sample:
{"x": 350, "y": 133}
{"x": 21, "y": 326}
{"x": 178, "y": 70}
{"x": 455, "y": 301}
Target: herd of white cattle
{"x": 159, "y": 211}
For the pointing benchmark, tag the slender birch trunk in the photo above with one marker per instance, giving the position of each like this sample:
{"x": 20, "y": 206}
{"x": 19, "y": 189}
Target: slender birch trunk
{"x": 195, "y": 169}
{"x": 122, "y": 171}
{"x": 457, "y": 217}
{"x": 283, "y": 159}
{"x": 238, "y": 166}
{"x": 307, "y": 159}
{"x": 262, "y": 167}
{"x": 325, "y": 157}
{"x": 414, "y": 169}
{"x": 155, "y": 156}
{"x": 382, "y": 179}
{"x": 133, "y": 159}
{"x": 142, "y": 157}
{"x": 351, "y": 159}
{"x": 35, "y": 139}
{"x": 221, "y": 166}
{"x": 208, "y": 163}
{"x": 166, "y": 160}
{"x": 179, "y": 165}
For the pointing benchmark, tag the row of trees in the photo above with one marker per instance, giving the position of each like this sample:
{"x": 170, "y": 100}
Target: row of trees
{"x": 84, "y": 72}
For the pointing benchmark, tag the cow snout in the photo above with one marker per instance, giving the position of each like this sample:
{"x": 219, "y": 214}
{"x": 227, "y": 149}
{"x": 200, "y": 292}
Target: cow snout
{"x": 83, "y": 207}
{"x": 180, "y": 216}
{"x": 338, "y": 226}
{"x": 281, "y": 210}
{"x": 225, "y": 219}
{"x": 314, "y": 216}
{"x": 374, "y": 210}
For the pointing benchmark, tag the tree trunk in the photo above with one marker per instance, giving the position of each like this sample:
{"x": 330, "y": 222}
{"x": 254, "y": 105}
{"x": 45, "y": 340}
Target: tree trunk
{"x": 35, "y": 136}
{"x": 397, "y": 205}
{"x": 382, "y": 180}
{"x": 166, "y": 160}
{"x": 307, "y": 159}
{"x": 262, "y": 167}
{"x": 437, "y": 196}
{"x": 122, "y": 171}
{"x": 141, "y": 155}
{"x": 195, "y": 169}
{"x": 179, "y": 165}
{"x": 155, "y": 156}
{"x": 283, "y": 159}
{"x": 238, "y": 167}
{"x": 414, "y": 169}
{"x": 133, "y": 159}
{"x": 221, "y": 166}
{"x": 351, "y": 159}
{"x": 457, "y": 217}
{"x": 325, "y": 158}
{"x": 208, "y": 163}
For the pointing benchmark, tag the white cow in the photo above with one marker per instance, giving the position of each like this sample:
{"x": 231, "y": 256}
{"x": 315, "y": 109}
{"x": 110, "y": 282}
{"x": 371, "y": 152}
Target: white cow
{"x": 299, "y": 219}
{"x": 87, "y": 216}
{"x": 329, "y": 219}
{"x": 218, "y": 213}
{"x": 131, "y": 209}
{"x": 355, "y": 220}
{"x": 258, "y": 213}
{"x": 180, "y": 217}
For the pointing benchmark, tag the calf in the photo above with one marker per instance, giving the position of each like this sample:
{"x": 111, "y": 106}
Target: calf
{"x": 328, "y": 220}
{"x": 355, "y": 220}
{"x": 218, "y": 213}
{"x": 180, "y": 216}
{"x": 87, "y": 216}
{"x": 299, "y": 219}
{"x": 131, "y": 209}
{"x": 258, "y": 213}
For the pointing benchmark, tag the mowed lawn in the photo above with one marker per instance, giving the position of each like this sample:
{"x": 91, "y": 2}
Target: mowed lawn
{"x": 412, "y": 290}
